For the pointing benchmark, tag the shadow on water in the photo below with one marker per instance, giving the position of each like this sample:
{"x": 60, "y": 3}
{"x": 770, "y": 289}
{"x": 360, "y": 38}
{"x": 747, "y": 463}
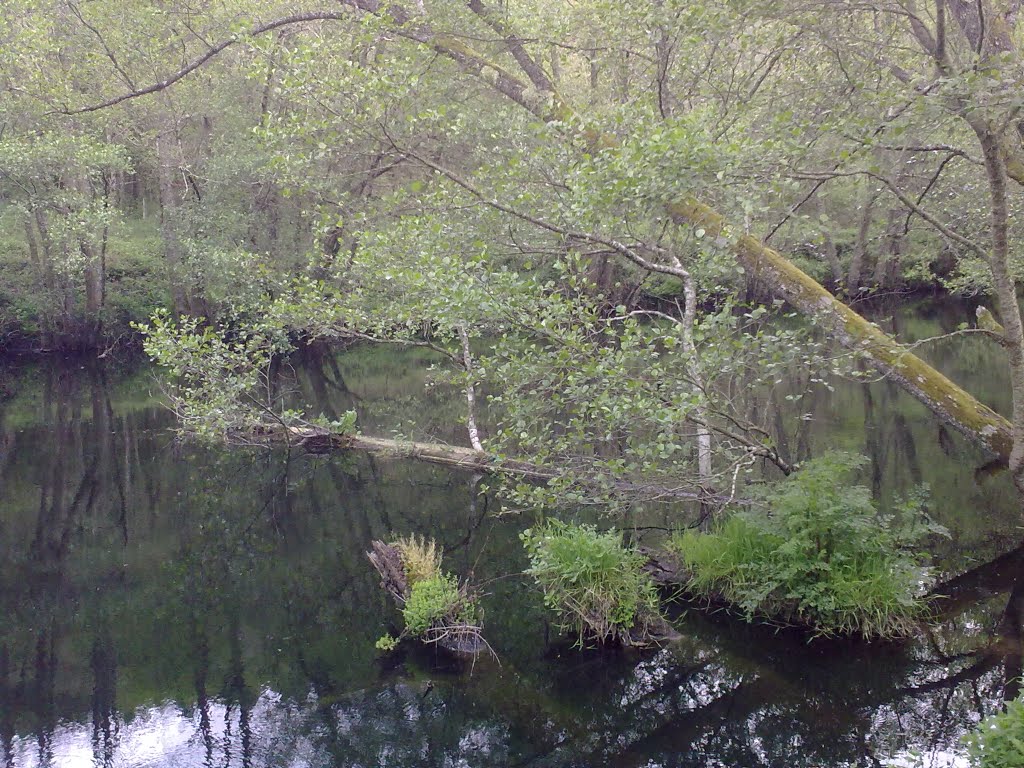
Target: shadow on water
{"x": 177, "y": 605}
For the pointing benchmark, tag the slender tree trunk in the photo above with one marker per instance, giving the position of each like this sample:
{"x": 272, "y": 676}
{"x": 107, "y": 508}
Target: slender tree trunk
{"x": 467, "y": 361}
{"x": 693, "y": 369}
{"x": 860, "y": 248}
{"x": 168, "y": 231}
{"x": 887, "y": 265}
{"x": 1006, "y": 294}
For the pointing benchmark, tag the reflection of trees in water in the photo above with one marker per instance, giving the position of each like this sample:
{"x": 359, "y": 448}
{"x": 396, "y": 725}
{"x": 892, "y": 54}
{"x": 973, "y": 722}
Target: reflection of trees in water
{"x": 211, "y": 576}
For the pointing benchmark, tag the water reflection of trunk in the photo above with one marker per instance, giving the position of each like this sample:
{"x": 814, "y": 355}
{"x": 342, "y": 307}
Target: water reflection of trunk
{"x": 320, "y": 365}
{"x": 105, "y": 719}
{"x": 681, "y": 730}
{"x": 872, "y": 437}
{"x": 105, "y": 439}
{"x": 1003, "y": 574}
{"x": 6, "y": 713}
{"x": 201, "y": 654}
{"x": 237, "y": 693}
{"x": 1011, "y": 631}
{"x": 42, "y": 695}
{"x": 73, "y": 439}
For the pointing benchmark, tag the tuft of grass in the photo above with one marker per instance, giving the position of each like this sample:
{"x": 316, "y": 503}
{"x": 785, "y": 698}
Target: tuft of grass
{"x": 998, "y": 741}
{"x": 595, "y": 585}
{"x": 421, "y": 558}
{"x": 822, "y": 555}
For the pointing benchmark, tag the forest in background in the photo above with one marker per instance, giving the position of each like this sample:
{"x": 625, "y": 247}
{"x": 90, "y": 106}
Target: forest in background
{"x": 294, "y": 138}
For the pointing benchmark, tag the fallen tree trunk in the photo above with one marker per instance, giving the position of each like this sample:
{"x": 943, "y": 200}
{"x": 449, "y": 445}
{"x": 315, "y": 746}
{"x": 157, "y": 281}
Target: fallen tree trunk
{"x": 318, "y": 440}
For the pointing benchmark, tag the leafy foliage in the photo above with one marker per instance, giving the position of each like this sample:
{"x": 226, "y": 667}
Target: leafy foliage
{"x": 594, "y": 584}
{"x": 998, "y": 741}
{"x": 821, "y": 555}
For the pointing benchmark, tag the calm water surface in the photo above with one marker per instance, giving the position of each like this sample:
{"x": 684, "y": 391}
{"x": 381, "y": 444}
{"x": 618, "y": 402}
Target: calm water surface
{"x": 169, "y": 605}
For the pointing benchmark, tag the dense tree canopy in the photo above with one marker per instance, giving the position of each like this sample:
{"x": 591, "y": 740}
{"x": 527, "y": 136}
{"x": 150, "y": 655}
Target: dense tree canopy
{"x": 598, "y": 212}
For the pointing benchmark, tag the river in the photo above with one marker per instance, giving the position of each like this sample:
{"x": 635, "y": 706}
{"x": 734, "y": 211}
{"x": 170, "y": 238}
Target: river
{"x": 168, "y": 604}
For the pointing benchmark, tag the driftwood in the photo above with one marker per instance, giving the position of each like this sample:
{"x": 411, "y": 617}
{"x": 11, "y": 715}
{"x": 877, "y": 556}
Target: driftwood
{"x": 388, "y": 562}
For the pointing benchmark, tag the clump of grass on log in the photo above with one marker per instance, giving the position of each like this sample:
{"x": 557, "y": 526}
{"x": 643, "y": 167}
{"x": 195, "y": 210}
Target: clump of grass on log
{"x": 436, "y": 607}
{"x": 817, "y": 553}
{"x": 596, "y": 586}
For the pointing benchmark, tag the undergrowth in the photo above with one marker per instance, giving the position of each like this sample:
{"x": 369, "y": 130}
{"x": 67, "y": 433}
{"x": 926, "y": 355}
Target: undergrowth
{"x": 817, "y": 553}
{"x": 420, "y": 558}
{"x": 595, "y": 585}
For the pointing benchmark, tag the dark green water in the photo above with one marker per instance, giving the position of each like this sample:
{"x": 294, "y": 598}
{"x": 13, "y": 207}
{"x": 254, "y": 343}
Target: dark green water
{"x": 169, "y": 605}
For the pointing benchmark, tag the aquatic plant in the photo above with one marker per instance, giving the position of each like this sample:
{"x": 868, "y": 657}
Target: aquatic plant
{"x": 435, "y": 606}
{"x": 595, "y": 585}
{"x": 817, "y": 553}
{"x": 998, "y": 741}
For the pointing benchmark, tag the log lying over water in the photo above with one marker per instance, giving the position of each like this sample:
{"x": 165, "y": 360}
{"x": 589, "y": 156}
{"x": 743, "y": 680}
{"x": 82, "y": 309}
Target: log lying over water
{"x": 318, "y": 440}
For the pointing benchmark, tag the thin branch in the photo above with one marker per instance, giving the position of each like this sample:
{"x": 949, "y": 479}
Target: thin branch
{"x": 196, "y": 63}
{"x": 614, "y": 245}
{"x": 515, "y": 46}
{"x": 110, "y": 54}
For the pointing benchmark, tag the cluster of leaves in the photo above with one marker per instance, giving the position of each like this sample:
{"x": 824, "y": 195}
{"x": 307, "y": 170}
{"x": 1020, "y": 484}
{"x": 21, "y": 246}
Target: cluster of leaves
{"x": 820, "y": 555}
{"x": 595, "y": 585}
{"x": 436, "y": 604}
{"x": 223, "y": 387}
{"x": 610, "y": 399}
{"x": 998, "y": 741}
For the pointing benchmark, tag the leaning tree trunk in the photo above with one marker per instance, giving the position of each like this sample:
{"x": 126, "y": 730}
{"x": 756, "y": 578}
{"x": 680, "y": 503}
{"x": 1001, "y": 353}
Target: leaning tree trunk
{"x": 976, "y": 421}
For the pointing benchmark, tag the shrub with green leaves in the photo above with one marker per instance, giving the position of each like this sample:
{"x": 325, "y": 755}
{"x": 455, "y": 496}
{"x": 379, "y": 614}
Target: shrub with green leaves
{"x": 595, "y": 585}
{"x": 999, "y": 740}
{"x": 819, "y": 553}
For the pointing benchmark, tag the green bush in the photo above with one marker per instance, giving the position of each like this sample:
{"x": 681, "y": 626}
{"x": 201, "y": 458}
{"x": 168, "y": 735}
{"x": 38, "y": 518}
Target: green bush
{"x": 999, "y": 740}
{"x": 436, "y": 608}
{"x": 817, "y": 553}
{"x": 596, "y": 586}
